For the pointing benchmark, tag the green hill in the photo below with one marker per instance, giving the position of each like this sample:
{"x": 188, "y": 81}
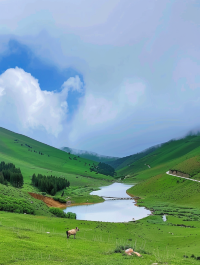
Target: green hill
{"x": 42, "y": 239}
{"x": 128, "y": 160}
{"x": 178, "y": 154}
{"x": 33, "y": 157}
{"x": 90, "y": 155}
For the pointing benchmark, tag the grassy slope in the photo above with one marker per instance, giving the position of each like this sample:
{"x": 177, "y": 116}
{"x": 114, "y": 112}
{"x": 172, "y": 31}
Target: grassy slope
{"x": 57, "y": 162}
{"x": 24, "y": 241}
{"x": 164, "y": 242}
{"x": 170, "y": 154}
{"x": 13, "y": 193}
{"x": 128, "y": 160}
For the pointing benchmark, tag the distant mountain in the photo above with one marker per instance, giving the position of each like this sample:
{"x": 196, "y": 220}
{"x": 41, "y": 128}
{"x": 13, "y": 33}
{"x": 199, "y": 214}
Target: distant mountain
{"x": 128, "y": 160}
{"x": 89, "y": 155}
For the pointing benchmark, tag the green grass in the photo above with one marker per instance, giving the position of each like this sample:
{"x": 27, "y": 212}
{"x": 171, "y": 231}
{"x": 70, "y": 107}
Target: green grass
{"x": 13, "y": 148}
{"x": 17, "y": 194}
{"x": 24, "y": 240}
{"x": 171, "y": 153}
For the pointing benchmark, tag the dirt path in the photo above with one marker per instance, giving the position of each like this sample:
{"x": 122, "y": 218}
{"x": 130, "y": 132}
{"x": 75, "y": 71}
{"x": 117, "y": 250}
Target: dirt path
{"x": 183, "y": 177}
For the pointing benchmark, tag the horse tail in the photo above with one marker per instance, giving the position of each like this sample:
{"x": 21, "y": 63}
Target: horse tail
{"x": 67, "y": 234}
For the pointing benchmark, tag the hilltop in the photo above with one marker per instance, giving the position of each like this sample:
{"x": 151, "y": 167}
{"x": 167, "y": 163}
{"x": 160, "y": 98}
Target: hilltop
{"x": 89, "y": 155}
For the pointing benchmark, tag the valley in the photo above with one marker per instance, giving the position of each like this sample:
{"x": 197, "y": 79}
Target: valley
{"x": 40, "y": 238}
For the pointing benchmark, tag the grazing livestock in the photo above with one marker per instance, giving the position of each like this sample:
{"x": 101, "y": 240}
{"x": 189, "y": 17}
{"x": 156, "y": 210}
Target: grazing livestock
{"x": 72, "y": 232}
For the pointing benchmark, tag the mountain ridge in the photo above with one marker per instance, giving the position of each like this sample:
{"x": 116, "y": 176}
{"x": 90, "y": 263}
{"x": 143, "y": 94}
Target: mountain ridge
{"x": 89, "y": 155}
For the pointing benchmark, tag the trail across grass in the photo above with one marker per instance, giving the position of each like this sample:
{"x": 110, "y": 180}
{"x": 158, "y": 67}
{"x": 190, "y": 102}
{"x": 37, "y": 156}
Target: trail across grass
{"x": 182, "y": 177}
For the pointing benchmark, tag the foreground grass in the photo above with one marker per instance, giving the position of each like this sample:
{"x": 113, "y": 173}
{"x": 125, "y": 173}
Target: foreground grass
{"x": 24, "y": 240}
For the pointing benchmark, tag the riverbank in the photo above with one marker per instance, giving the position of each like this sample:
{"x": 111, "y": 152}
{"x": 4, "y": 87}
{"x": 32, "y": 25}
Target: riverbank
{"x": 75, "y": 201}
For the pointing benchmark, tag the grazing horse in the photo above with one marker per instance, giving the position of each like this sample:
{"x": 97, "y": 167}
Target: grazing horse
{"x": 72, "y": 232}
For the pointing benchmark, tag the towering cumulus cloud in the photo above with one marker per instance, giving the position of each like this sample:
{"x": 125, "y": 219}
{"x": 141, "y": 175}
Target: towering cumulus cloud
{"x": 23, "y": 103}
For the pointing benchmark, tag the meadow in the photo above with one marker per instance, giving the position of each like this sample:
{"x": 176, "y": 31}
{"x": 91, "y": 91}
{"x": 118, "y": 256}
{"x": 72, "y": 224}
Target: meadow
{"x": 24, "y": 240}
{"x": 24, "y": 237}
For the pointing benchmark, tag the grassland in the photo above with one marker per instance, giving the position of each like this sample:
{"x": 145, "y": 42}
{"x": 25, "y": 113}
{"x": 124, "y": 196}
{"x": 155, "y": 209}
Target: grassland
{"x": 170, "y": 154}
{"x": 19, "y": 150}
{"x": 24, "y": 238}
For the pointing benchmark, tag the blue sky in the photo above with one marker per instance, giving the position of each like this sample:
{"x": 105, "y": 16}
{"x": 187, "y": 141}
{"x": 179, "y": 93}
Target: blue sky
{"x": 50, "y": 77}
{"x": 110, "y": 76}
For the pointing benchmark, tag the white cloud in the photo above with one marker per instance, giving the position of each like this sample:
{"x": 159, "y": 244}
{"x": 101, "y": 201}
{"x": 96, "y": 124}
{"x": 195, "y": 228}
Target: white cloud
{"x": 25, "y": 105}
{"x": 137, "y": 58}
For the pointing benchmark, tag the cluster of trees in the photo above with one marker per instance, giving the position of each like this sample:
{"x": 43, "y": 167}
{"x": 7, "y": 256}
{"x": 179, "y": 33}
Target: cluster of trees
{"x": 49, "y": 184}
{"x": 9, "y": 173}
{"x": 104, "y": 169}
{"x": 16, "y": 205}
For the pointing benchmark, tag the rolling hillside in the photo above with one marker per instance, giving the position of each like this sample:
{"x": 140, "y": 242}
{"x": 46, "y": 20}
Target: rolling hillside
{"x": 128, "y": 160}
{"x": 90, "y": 155}
{"x": 35, "y": 157}
{"x": 175, "y": 153}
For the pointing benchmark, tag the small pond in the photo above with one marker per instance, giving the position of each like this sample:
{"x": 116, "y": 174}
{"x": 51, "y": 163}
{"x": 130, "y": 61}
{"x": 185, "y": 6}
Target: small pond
{"x": 113, "y": 209}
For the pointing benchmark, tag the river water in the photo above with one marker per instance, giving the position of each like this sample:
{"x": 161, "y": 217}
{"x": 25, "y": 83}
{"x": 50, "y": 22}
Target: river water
{"x": 110, "y": 210}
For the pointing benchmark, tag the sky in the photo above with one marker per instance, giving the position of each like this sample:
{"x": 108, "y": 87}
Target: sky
{"x": 112, "y": 76}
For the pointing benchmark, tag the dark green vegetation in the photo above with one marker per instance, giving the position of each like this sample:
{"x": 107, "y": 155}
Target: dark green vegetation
{"x": 104, "y": 169}
{"x": 89, "y": 155}
{"x": 49, "y": 184}
{"x": 9, "y": 173}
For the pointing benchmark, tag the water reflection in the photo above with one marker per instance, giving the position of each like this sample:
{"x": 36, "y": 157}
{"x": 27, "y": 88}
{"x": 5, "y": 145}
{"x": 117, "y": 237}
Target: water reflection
{"x": 110, "y": 210}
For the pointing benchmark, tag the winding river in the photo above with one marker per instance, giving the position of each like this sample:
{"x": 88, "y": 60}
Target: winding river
{"x": 117, "y": 207}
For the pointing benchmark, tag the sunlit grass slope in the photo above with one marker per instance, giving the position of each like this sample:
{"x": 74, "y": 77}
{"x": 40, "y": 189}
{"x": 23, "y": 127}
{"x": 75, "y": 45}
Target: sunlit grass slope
{"x": 24, "y": 240}
{"x": 14, "y": 194}
{"x": 169, "y": 155}
{"x": 25, "y": 153}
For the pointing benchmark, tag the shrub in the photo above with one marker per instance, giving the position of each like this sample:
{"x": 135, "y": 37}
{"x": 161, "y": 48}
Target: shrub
{"x": 59, "y": 199}
{"x": 71, "y": 215}
{"x": 59, "y": 213}
{"x": 16, "y": 205}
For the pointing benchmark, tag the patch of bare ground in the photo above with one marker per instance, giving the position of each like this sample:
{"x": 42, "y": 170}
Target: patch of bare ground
{"x": 49, "y": 201}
